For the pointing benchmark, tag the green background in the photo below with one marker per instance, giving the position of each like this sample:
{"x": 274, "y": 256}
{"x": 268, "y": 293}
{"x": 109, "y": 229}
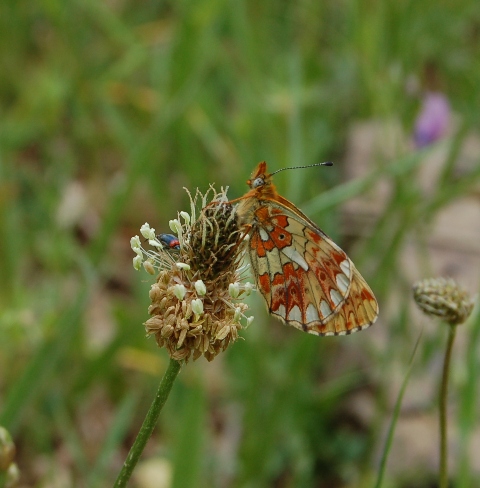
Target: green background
{"x": 109, "y": 109}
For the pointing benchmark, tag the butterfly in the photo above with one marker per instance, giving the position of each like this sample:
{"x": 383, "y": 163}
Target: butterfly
{"x": 306, "y": 280}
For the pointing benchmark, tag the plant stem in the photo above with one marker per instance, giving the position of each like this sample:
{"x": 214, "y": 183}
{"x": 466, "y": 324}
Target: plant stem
{"x": 148, "y": 424}
{"x": 395, "y": 416}
{"x": 443, "y": 408}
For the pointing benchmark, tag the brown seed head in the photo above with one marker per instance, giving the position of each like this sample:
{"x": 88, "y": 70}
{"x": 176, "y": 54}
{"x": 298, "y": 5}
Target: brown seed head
{"x": 444, "y": 298}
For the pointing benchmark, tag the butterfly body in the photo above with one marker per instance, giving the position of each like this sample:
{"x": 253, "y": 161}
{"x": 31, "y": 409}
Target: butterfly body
{"x": 306, "y": 279}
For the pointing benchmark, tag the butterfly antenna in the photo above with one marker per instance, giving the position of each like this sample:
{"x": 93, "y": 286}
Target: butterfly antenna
{"x": 326, "y": 163}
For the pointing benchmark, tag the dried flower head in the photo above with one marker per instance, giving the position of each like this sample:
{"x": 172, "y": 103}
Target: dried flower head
{"x": 193, "y": 312}
{"x": 444, "y": 298}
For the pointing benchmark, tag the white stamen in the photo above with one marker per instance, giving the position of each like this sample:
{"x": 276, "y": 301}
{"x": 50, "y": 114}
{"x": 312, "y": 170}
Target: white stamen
{"x": 186, "y": 217}
{"x": 175, "y": 225}
{"x": 238, "y": 314}
{"x": 179, "y": 291}
{"x": 200, "y": 287}
{"x": 147, "y": 231}
{"x": 137, "y": 262}
{"x": 248, "y": 287}
{"x": 197, "y": 306}
{"x": 234, "y": 289}
{"x": 135, "y": 242}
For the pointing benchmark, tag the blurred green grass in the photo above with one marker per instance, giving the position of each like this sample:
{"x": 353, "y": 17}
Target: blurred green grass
{"x": 106, "y": 111}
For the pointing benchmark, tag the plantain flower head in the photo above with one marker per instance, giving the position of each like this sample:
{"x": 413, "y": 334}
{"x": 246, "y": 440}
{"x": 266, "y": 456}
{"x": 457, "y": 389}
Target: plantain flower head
{"x": 444, "y": 298}
{"x": 193, "y": 311}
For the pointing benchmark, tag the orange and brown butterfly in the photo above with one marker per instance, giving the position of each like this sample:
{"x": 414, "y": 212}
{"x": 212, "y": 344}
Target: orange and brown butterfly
{"x": 306, "y": 279}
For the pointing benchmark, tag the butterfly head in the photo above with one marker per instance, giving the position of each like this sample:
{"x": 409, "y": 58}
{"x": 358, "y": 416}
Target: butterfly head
{"x": 259, "y": 176}
{"x": 260, "y": 181}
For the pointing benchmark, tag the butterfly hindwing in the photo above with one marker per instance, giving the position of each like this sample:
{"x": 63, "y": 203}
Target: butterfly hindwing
{"x": 305, "y": 278}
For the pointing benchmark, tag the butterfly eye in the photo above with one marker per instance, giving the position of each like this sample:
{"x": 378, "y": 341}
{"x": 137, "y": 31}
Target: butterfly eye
{"x": 258, "y": 182}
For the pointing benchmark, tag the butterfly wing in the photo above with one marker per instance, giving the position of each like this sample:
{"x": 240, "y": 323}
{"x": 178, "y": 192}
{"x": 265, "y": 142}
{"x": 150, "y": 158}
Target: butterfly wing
{"x": 305, "y": 278}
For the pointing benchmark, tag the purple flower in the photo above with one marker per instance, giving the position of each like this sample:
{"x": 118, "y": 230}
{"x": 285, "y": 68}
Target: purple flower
{"x": 434, "y": 119}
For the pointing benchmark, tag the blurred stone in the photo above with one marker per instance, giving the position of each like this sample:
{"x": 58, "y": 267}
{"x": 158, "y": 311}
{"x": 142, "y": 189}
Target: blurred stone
{"x": 99, "y": 322}
{"x": 415, "y": 446}
{"x": 153, "y": 473}
{"x": 52, "y": 471}
{"x": 73, "y": 205}
{"x": 371, "y": 145}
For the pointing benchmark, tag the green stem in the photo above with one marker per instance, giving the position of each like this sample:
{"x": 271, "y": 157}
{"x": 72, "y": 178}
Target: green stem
{"x": 148, "y": 424}
{"x": 395, "y": 417}
{"x": 443, "y": 408}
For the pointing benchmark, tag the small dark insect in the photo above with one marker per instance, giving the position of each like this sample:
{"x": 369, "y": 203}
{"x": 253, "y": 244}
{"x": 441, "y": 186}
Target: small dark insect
{"x": 169, "y": 241}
